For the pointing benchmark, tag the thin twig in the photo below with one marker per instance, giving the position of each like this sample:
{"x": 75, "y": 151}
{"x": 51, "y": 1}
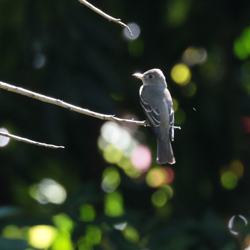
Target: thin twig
{"x": 110, "y": 18}
{"x": 71, "y": 107}
{"x": 18, "y": 138}
{"x": 68, "y": 106}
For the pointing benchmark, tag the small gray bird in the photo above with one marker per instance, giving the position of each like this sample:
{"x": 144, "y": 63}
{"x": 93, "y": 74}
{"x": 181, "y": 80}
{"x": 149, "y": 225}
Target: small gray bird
{"x": 157, "y": 104}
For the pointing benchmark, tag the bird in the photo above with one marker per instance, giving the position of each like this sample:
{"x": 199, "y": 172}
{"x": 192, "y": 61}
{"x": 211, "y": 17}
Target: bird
{"x": 157, "y": 105}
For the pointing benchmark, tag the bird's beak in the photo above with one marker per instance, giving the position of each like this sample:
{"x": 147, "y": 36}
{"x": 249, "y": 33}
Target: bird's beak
{"x": 138, "y": 75}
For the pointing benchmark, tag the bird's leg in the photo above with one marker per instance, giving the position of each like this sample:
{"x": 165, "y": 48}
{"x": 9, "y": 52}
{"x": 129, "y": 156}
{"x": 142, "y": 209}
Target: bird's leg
{"x": 175, "y": 127}
{"x": 146, "y": 123}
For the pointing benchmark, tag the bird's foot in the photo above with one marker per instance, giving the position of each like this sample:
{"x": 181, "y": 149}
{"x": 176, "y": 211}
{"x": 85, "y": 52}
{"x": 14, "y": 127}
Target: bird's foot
{"x": 146, "y": 123}
{"x": 175, "y": 127}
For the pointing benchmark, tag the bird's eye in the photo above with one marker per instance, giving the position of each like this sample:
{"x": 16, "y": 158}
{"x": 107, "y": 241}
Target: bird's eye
{"x": 150, "y": 76}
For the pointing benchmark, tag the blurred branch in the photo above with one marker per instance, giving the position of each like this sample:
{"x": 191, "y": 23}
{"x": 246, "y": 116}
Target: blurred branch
{"x": 18, "y": 138}
{"x": 68, "y": 106}
{"x": 110, "y": 18}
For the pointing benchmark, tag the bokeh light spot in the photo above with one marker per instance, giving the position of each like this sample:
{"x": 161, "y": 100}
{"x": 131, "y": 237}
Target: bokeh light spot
{"x": 47, "y": 191}
{"x": 181, "y": 74}
{"x": 102, "y": 143}
{"x": 113, "y": 204}
{"x": 3, "y": 139}
{"x": 189, "y": 90}
{"x": 141, "y": 158}
{"x": 156, "y": 177}
{"x": 111, "y": 179}
{"x": 159, "y": 198}
{"x": 132, "y": 172}
{"x": 135, "y": 29}
{"x": 169, "y": 175}
{"x": 237, "y": 168}
{"x": 12, "y": 232}
{"x": 120, "y": 226}
{"x": 131, "y": 234}
{"x": 93, "y": 235}
{"x": 119, "y": 147}
{"x": 242, "y": 45}
{"x": 229, "y": 180}
{"x": 237, "y": 224}
{"x": 87, "y": 212}
{"x": 133, "y": 144}
{"x": 125, "y": 163}
{"x": 192, "y": 56}
{"x": 177, "y": 12}
{"x": 124, "y": 140}
{"x": 110, "y": 131}
{"x": 39, "y": 60}
{"x": 240, "y": 50}
{"x": 62, "y": 241}
{"x": 42, "y": 236}
{"x": 63, "y": 221}
{"x": 112, "y": 154}
{"x": 168, "y": 190}
{"x": 116, "y": 135}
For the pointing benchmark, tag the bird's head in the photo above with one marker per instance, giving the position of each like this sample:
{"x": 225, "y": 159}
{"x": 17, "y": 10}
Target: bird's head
{"x": 152, "y": 77}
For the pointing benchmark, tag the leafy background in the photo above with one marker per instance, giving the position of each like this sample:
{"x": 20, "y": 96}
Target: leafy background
{"x": 64, "y": 50}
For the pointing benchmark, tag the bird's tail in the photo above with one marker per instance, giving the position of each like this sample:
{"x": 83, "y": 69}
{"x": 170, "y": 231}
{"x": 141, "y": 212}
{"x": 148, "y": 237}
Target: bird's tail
{"x": 165, "y": 152}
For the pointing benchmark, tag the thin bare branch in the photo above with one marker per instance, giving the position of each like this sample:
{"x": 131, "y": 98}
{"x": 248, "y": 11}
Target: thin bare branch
{"x": 68, "y": 106}
{"x": 71, "y": 107}
{"x": 110, "y": 18}
{"x": 18, "y": 138}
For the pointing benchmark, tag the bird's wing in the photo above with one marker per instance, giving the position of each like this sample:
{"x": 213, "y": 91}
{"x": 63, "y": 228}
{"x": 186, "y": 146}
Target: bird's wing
{"x": 151, "y": 112}
{"x": 156, "y": 109}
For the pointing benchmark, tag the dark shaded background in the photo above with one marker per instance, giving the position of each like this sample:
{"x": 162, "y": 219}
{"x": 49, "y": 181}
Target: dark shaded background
{"x": 89, "y": 63}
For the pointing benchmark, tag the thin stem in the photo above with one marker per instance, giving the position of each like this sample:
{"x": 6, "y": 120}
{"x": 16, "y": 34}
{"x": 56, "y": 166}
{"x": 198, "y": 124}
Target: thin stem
{"x": 68, "y": 106}
{"x": 110, "y": 18}
{"x": 18, "y": 138}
